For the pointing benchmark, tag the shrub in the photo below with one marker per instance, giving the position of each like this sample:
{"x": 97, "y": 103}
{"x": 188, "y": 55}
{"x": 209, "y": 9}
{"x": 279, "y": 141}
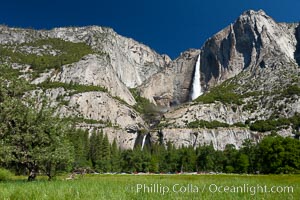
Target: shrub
{"x": 239, "y": 124}
{"x": 5, "y": 174}
{"x": 206, "y": 124}
{"x": 275, "y": 124}
{"x": 292, "y": 90}
{"x": 223, "y": 93}
{"x": 70, "y": 52}
{"x": 78, "y": 88}
{"x": 142, "y": 105}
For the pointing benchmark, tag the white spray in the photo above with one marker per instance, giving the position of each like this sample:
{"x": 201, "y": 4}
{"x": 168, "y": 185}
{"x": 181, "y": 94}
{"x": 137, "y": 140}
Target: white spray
{"x": 144, "y": 140}
{"x": 196, "y": 88}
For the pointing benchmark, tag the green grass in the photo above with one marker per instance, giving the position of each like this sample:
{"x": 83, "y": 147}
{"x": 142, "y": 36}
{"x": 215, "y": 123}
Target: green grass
{"x": 125, "y": 187}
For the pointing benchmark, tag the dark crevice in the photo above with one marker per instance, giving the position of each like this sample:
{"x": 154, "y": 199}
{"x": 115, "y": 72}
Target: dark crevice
{"x": 244, "y": 41}
{"x": 297, "y": 52}
{"x": 258, "y": 42}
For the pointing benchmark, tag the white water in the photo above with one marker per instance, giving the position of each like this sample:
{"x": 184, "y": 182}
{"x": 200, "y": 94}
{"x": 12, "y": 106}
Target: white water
{"x": 143, "y": 142}
{"x": 196, "y": 88}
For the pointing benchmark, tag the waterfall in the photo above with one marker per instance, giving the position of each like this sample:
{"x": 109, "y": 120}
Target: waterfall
{"x": 143, "y": 142}
{"x": 196, "y": 88}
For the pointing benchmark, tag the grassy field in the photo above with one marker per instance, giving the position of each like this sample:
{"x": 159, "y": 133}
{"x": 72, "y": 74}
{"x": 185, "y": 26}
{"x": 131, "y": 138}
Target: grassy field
{"x": 156, "y": 187}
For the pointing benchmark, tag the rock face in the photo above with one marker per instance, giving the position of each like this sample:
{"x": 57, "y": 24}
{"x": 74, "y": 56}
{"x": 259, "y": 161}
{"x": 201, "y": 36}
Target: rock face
{"x": 124, "y": 139}
{"x": 254, "y": 41}
{"x": 95, "y": 70}
{"x": 194, "y": 137}
{"x": 133, "y": 62}
{"x": 16, "y": 35}
{"x": 218, "y": 137}
{"x": 101, "y": 107}
{"x": 297, "y": 52}
{"x": 256, "y": 56}
{"x": 172, "y": 85}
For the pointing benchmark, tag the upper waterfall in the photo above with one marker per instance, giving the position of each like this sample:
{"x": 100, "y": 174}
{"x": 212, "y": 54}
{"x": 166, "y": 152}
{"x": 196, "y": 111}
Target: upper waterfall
{"x": 196, "y": 88}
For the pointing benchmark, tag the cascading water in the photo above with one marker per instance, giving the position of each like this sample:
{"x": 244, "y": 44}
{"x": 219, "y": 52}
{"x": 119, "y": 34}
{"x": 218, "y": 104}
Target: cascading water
{"x": 144, "y": 140}
{"x": 196, "y": 88}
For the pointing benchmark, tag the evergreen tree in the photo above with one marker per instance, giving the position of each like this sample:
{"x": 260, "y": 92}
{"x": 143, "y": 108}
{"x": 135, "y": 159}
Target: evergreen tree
{"x": 187, "y": 159}
{"x": 242, "y": 163}
{"x": 230, "y": 161}
{"x": 249, "y": 149}
{"x": 80, "y": 141}
{"x": 171, "y": 161}
{"x": 105, "y": 155}
{"x": 205, "y": 158}
{"x": 115, "y": 157}
{"x": 219, "y": 159}
{"x": 92, "y": 148}
{"x": 98, "y": 151}
{"x": 154, "y": 164}
{"x": 157, "y": 160}
{"x": 127, "y": 162}
{"x": 95, "y": 149}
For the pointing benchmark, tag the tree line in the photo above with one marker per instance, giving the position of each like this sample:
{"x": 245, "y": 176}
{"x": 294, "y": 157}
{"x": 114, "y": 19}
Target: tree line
{"x": 273, "y": 154}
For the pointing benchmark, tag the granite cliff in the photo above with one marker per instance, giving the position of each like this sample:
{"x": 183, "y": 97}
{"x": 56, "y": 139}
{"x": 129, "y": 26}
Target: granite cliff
{"x": 249, "y": 75}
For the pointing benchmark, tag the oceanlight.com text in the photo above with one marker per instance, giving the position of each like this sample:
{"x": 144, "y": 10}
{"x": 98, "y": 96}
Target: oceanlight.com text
{"x": 251, "y": 189}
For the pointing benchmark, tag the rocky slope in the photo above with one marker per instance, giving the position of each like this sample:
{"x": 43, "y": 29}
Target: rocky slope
{"x": 95, "y": 70}
{"x": 115, "y": 63}
{"x": 133, "y": 62}
{"x": 172, "y": 85}
{"x": 249, "y": 72}
{"x": 253, "y": 42}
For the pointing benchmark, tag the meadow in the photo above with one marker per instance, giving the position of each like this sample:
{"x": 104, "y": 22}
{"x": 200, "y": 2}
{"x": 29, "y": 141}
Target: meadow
{"x": 155, "y": 187}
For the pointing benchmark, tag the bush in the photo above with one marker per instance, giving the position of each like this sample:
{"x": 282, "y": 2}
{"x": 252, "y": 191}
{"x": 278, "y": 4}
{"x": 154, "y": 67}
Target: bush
{"x": 78, "y": 88}
{"x": 292, "y": 90}
{"x": 70, "y": 52}
{"x": 275, "y": 124}
{"x": 206, "y": 124}
{"x": 239, "y": 124}
{"x": 5, "y": 174}
{"x": 224, "y": 93}
{"x": 142, "y": 105}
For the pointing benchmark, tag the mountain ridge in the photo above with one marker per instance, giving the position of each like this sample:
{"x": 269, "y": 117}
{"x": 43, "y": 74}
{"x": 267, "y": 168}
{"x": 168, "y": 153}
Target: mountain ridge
{"x": 249, "y": 72}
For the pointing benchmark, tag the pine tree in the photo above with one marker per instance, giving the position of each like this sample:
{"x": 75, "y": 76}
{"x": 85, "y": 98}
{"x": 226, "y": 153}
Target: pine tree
{"x": 157, "y": 160}
{"x": 171, "y": 160}
{"x": 92, "y": 150}
{"x": 242, "y": 163}
{"x": 105, "y": 155}
{"x": 79, "y": 138}
{"x": 95, "y": 152}
{"x": 127, "y": 163}
{"x": 98, "y": 150}
{"x": 115, "y": 157}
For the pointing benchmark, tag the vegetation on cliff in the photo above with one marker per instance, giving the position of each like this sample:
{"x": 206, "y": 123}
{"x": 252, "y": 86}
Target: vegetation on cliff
{"x": 60, "y": 53}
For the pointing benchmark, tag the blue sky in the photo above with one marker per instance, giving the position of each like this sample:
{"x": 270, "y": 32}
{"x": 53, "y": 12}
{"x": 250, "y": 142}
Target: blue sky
{"x": 167, "y": 26}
